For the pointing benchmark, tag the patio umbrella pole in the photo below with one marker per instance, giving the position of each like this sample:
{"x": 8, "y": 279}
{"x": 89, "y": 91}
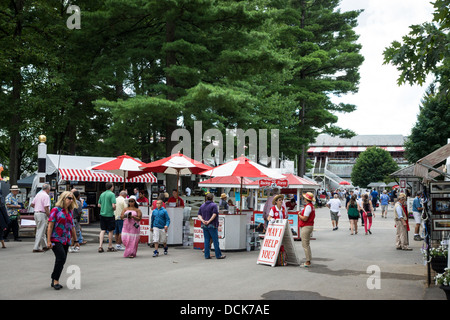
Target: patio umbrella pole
{"x": 240, "y": 197}
{"x": 178, "y": 178}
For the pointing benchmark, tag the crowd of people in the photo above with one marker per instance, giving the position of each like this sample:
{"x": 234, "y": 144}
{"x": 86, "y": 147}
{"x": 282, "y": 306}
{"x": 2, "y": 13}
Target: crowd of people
{"x": 363, "y": 206}
{"x": 58, "y": 228}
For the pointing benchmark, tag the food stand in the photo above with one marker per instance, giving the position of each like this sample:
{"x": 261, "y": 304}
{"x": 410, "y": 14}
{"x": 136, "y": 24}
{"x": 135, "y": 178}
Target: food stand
{"x": 232, "y": 223}
{"x": 292, "y": 184}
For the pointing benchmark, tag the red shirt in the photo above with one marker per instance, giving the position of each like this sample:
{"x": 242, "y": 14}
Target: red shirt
{"x": 142, "y": 200}
{"x": 180, "y": 201}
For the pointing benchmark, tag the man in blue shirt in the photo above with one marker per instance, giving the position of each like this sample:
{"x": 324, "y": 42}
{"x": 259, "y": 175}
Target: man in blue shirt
{"x": 374, "y": 196}
{"x": 159, "y": 225}
{"x": 384, "y": 203}
{"x": 417, "y": 212}
{"x": 208, "y": 214}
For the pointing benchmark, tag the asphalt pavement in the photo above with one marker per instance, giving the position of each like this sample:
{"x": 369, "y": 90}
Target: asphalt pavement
{"x": 344, "y": 267}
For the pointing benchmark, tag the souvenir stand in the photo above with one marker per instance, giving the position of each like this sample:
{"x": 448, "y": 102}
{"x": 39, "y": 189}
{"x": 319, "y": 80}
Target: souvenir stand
{"x": 436, "y": 204}
{"x": 292, "y": 184}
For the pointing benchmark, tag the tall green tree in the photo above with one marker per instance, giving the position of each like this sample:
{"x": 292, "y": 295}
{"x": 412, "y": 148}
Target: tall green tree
{"x": 425, "y": 51}
{"x": 197, "y": 61}
{"x": 431, "y": 130}
{"x": 373, "y": 165}
{"x": 320, "y": 41}
{"x": 26, "y": 34}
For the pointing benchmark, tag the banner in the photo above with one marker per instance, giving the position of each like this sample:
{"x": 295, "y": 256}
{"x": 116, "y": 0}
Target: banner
{"x": 282, "y": 183}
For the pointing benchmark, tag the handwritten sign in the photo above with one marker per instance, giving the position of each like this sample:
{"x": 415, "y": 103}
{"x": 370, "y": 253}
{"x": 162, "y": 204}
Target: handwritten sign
{"x": 271, "y": 243}
{"x": 277, "y": 234}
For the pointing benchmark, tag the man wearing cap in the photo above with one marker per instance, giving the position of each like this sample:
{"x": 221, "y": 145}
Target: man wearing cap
{"x": 41, "y": 205}
{"x": 12, "y": 205}
{"x": 306, "y": 224}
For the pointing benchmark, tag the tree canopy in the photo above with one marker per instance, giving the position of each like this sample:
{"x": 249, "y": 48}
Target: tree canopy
{"x": 425, "y": 52}
{"x": 137, "y": 70}
{"x": 373, "y": 165}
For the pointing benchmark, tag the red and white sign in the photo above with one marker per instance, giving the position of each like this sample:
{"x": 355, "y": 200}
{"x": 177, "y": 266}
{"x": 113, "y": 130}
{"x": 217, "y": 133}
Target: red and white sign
{"x": 271, "y": 243}
{"x": 199, "y": 241}
{"x": 277, "y": 234}
{"x": 145, "y": 230}
{"x": 283, "y": 183}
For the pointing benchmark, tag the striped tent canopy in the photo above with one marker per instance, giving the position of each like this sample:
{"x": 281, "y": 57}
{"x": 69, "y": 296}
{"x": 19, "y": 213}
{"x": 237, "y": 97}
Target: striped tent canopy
{"x": 102, "y": 176}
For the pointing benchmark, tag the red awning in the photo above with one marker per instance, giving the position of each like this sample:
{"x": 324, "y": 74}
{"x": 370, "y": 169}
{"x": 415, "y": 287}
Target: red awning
{"x": 101, "y": 176}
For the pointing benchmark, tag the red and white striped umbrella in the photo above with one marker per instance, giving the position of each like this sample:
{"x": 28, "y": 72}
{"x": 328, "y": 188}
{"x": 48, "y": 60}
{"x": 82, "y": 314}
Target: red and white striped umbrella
{"x": 177, "y": 163}
{"x": 243, "y": 168}
{"x": 124, "y": 166}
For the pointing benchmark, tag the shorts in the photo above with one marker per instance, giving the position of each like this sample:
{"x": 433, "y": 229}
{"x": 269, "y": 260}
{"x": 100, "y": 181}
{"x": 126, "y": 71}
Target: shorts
{"x": 334, "y": 215}
{"x": 159, "y": 235}
{"x": 119, "y": 226}
{"x": 417, "y": 217}
{"x": 107, "y": 223}
{"x": 384, "y": 207}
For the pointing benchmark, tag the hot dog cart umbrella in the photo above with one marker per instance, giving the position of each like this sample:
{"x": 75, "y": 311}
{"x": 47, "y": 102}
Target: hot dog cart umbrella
{"x": 243, "y": 168}
{"x": 124, "y": 166}
{"x": 178, "y": 164}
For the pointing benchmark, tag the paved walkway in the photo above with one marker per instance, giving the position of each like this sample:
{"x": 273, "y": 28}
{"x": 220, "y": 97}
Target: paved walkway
{"x": 342, "y": 269}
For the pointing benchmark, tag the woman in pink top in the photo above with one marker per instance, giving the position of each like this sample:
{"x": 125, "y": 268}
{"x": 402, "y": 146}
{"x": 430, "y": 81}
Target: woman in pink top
{"x": 131, "y": 228}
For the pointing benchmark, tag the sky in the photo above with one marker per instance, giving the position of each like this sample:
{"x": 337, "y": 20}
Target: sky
{"x": 383, "y": 107}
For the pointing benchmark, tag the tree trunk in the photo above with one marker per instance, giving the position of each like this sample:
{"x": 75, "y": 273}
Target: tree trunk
{"x": 171, "y": 124}
{"x": 16, "y": 119}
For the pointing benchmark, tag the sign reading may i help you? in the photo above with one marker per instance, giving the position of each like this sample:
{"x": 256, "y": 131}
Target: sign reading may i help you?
{"x": 277, "y": 234}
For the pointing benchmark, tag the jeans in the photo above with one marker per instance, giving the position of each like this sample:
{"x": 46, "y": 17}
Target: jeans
{"x": 60, "y": 251}
{"x": 208, "y": 233}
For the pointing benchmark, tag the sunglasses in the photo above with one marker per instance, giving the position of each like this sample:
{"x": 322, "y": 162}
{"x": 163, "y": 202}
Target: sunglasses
{"x": 131, "y": 200}
{"x": 70, "y": 198}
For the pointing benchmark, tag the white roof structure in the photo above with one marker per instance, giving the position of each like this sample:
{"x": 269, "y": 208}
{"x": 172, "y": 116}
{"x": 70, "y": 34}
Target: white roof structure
{"x": 327, "y": 143}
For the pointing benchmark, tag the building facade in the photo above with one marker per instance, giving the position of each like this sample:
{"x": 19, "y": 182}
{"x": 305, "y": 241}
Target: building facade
{"x": 333, "y": 157}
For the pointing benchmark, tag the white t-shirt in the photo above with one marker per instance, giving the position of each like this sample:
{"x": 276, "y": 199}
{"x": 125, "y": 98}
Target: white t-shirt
{"x": 307, "y": 211}
{"x": 335, "y": 204}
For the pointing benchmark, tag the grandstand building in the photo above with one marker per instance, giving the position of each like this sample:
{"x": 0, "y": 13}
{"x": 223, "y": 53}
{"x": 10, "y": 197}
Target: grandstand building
{"x": 333, "y": 158}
